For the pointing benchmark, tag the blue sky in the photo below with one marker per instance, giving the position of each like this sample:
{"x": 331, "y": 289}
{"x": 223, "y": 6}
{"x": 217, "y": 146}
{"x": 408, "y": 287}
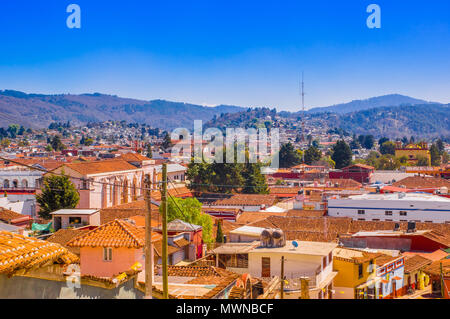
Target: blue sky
{"x": 210, "y": 52}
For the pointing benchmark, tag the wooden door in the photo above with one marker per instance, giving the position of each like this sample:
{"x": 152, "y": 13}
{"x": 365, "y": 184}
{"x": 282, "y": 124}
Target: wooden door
{"x": 265, "y": 267}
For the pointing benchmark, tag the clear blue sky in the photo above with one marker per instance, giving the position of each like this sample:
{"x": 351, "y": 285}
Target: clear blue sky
{"x": 248, "y": 53}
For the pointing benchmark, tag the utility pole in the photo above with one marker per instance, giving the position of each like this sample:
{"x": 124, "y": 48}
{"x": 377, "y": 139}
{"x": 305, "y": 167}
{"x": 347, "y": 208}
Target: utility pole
{"x": 148, "y": 240}
{"x": 282, "y": 277}
{"x": 164, "y": 232}
{"x": 442, "y": 281}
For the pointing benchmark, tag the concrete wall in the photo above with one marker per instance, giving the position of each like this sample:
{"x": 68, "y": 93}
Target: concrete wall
{"x": 32, "y": 288}
{"x": 423, "y": 211}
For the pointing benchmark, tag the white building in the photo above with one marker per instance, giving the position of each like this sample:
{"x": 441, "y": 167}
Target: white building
{"x": 400, "y": 207}
{"x": 312, "y": 260}
{"x": 19, "y": 178}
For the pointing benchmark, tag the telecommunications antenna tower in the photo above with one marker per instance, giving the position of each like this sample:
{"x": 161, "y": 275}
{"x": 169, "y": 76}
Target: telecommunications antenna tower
{"x": 304, "y": 113}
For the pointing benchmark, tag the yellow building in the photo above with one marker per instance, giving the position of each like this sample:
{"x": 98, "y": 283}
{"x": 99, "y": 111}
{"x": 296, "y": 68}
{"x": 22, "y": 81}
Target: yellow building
{"x": 354, "y": 268}
{"x": 413, "y": 152}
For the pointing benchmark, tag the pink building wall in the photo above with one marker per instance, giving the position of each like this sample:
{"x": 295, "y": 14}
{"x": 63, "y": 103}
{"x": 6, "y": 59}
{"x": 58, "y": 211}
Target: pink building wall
{"x": 91, "y": 261}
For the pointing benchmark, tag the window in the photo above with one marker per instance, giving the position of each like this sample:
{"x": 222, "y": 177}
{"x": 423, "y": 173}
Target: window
{"x": 107, "y": 254}
{"x": 330, "y": 257}
{"x": 403, "y": 213}
{"x": 361, "y": 219}
{"x": 361, "y": 212}
{"x": 388, "y": 213}
{"x": 74, "y": 220}
{"x": 389, "y": 220}
{"x": 375, "y": 220}
{"x": 360, "y": 270}
{"x": 324, "y": 262}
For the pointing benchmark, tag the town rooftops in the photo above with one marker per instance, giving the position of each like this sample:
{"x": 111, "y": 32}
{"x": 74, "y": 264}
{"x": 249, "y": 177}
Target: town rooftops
{"x": 354, "y": 255}
{"x": 422, "y": 182}
{"x": 415, "y": 262}
{"x": 117, "y": 233}
{"x": 10, "y": 217}
{"x": 246, "y": 200}
{"x": 303, "y": 248}
{"x": 404, "y": 197}
{"x": 100, "y": 167}
{"x": 71, "y": 212}
{"x": 435, "y": 268}
{"x": 20, "y": 253}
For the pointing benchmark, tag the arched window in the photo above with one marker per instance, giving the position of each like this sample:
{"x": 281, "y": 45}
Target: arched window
{"x": 6, "y": 183}
{"x": 25, "y": 183}
{"x": 15, "y": 183}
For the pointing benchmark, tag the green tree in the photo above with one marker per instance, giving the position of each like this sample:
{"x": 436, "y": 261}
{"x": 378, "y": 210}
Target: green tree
{"x": 56, "y": 143}
{"x": 5, "y": 142}
{"x": 422, "y": 161}
{"x": 149, "y": 151}
{"x": 167, "y": 142}
{"x": 189, "y": 210}
{"x": 219, "y": 236}
{"x": 435, "y": 155}
{"x": 58, "y": 192}
{"x": 288, "y": 156}
{"x": 387, "y": 148}
{"x": 312, "y": 154}
{"x": 342, "y": 154}
{"x": 383, "y": 140}
{"x": 445, "y": 158}
{"x": 254, "y": 180}
{"x": 440, "y": 146}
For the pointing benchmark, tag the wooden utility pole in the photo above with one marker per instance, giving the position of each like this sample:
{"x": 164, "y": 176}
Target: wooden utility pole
{"x": 442, "y": 281}
{"x": 148, "y": 240}
{"x": 164, "y": 232}
{"x": 282, "y": 277}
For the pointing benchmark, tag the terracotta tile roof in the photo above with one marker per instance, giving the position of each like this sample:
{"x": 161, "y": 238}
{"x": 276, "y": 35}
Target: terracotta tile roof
{"x": 420, "y": 182}
{"x": 133, "y": 157}
{"x": 157, "y": 247}
{"x": 106, "y": 166}
{"x": 181, "y": 243}
{"x": 433, "y": 256}
{"x": 415, "y": 262}
{"x": 18, "y": 253}
{"x": 250, "y": 217}
{"x": 343, "y": 183}
{"x": 285, "y": 190}
{"x": 191, "y": 271}
{"x": 384, "y": 259}
{"x": 305, "y": 213}
{"x": 122, "y": 212}
{"x": 8, "y": 216}
{"x": 117, "y": 233}
{"x": 434, "y": 268}
{"x": 63, "y": 236}
{"x": 246, "y": 200}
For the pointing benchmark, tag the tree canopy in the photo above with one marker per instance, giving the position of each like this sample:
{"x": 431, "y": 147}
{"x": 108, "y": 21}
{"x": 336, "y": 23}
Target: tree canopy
{"x": 342, "y": 154}
{"x": 58, "y": 192}
{"x": 189, "y": 210}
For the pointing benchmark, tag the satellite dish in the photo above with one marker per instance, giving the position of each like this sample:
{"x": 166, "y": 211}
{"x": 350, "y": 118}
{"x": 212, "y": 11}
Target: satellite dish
{"x": 295, "y": 244}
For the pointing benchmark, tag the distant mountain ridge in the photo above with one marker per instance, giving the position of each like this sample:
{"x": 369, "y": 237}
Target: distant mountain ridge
{"x": 374, "y": 102}
{"x": 39, "y": 110}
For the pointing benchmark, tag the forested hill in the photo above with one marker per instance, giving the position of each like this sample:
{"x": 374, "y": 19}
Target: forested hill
{"x": 39, "y": 110}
